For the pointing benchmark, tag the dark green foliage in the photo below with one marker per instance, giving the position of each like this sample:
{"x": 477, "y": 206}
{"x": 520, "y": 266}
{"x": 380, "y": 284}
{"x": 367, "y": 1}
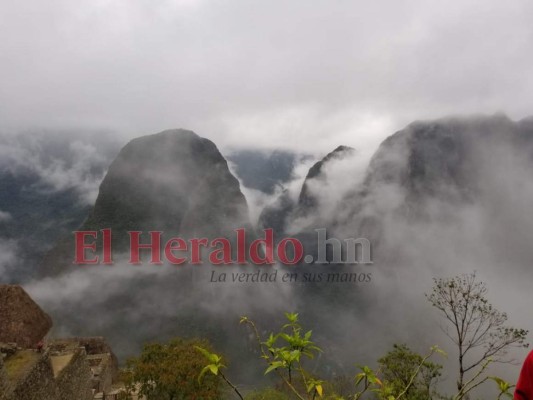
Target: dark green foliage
{"x": 170, "y": 372}
{"x": 398, "y": 367}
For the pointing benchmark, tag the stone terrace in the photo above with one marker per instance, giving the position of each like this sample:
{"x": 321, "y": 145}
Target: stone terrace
{"x": 33, "y": 368}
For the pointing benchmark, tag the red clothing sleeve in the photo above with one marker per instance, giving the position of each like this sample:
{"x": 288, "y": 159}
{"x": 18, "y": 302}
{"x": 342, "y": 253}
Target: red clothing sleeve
{"x": 524, "y": 386}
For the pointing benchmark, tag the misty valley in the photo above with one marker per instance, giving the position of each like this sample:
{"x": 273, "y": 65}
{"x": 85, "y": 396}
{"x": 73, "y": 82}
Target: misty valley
{"x": 263, "y": 305}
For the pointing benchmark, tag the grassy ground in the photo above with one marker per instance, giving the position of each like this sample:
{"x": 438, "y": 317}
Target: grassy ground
{"x": 60, "y": 362}
{"x": 19, "y": 363}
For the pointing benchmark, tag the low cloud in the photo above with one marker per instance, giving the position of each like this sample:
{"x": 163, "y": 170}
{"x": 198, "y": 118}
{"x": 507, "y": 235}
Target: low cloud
{"x": 9, "y": 253}
{"x": 299, "y": 75}
{"x": 4, "y": 216}
{"x": 58, "y": 161}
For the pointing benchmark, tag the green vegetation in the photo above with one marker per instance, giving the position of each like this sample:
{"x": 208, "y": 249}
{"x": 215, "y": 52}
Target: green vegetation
{"x": 20, "y": 362}
{"x": 170, "y": 372}
{"x": 285, "y": 353}
{"x": 191, "y": 370}
{"x": 399, "y": 366}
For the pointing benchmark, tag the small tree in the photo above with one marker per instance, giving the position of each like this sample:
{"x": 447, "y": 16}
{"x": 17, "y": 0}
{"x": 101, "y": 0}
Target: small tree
{"x": 284, "y": 353}
{"x": 170, "y": 372}
{"x": 478, "y": 329}
{"x": 398, "y": 367}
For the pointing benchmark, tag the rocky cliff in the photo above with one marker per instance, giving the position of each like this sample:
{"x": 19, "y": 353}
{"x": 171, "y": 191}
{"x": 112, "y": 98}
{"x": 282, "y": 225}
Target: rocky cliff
{"x": 175, "y": 182}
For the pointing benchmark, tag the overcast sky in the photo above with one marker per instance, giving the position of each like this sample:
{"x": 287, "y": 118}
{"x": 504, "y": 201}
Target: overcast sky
{"x": 299, "y": 74}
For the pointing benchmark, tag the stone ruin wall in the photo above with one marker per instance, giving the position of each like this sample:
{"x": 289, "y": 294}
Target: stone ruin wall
{"x": 74, "y": 380}
{"x": 37, "y": 384}
{"x": 3, "y": 380}
{"x": 25, "y": 324}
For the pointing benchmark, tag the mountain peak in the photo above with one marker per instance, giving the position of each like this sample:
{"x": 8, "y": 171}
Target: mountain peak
{"x": 306, "y": 200}
{"x": 175, "y": 182}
